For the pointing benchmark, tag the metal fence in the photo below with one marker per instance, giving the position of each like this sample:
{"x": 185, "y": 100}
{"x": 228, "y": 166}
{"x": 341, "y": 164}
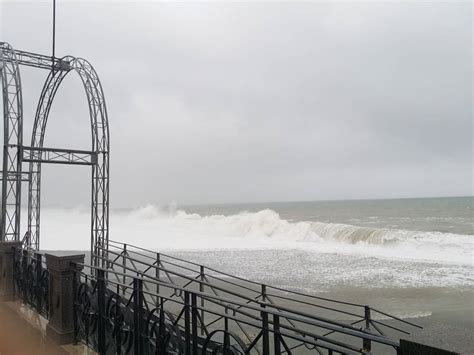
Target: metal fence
{"x": 116, "y": 318}
{"x": 188, "y": 308}
{"x": 143, "y": 302}
{"x": 31, "y": 280}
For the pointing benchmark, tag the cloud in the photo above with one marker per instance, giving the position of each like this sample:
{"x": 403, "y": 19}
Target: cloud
{"x": 217, "y": 102}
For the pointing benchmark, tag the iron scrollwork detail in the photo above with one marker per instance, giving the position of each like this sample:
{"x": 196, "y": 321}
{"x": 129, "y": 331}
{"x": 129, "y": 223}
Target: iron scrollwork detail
{"x": 31, "y": 281}
{"x": 162, "y": 334}
{"x": 118, "y": 330}
{"x": 117, "y": 318}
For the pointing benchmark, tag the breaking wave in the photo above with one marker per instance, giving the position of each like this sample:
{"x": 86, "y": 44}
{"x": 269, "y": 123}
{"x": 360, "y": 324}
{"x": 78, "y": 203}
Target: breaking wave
{"x": 178, "y": 230}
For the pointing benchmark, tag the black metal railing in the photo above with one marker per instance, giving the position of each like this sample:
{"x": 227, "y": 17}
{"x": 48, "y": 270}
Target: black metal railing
{"x": 180, "y": 272}
{"x": 173, "y": 271}
{"x": 116, "y": 317}
{"x": 143, "y": 302}
{"x": 31, "y": 280}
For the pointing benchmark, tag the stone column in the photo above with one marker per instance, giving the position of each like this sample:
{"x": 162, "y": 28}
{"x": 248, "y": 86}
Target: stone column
{"x": 61, "y": 299}
{"x": 7, "y": 253}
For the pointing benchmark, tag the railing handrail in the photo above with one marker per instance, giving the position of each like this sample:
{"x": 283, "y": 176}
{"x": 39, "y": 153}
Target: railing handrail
{"x": 253, "y": 300}
{"x": 292, "y": 314}
{"x": 234, "y": 276}
{"x": 253, "y": 324}
{"x": 258, "y": 284}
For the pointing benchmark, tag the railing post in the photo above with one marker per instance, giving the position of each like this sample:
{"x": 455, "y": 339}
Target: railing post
{"x": 226, "y": 336}
{"x": 265, "y": 335}
{"x": 161, "y": 329}
{"x": 101, "y": 310}
{"x": 194, "y": 322}
{"x": 264, "y": 314}
{"x": 124, "y": 264}
{"x": 75, "y": 280}
{"x": 276, "y": 334}
{"x": 7, "y": 269}
{"x": 202, "y": 274}
{"x": 263, "y": 292}
{"x": 118, "y": 325}
{"x": 24, "y": 276}
{"x": 61, "y": 297}
{"x": 39, "y": 271}
{"x": 367, "y": 344}
{"x": 157, "y": 275}
{"x": 187, "y": 325}
{"x": 138, "y": 316}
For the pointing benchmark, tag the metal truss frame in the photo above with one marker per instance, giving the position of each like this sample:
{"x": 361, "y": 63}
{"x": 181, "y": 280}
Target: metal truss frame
{"x": 15, "y": 153}
{"x": 41, "y": 61}
{"x": 58, "y": 156}
{"x": 12, "y": 141}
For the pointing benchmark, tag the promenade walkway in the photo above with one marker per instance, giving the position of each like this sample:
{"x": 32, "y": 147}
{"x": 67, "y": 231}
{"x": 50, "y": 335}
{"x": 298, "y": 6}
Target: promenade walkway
{"x": 22, "y": 332}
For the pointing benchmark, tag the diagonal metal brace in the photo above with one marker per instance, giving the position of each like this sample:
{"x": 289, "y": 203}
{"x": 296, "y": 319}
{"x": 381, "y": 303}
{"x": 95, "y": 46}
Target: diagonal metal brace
{"x": 11, "y": 176}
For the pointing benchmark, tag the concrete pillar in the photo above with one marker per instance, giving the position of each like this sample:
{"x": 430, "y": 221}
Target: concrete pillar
{"x": 61, "y": 299}
{"x": 7, "y": 287}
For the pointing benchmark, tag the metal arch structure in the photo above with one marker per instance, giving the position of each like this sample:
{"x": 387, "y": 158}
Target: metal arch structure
{"x": 100, "y": 148}
{"x": 15, "y": 153}
{"x": 12, "y": 142}
{"x": 171, "y": 299}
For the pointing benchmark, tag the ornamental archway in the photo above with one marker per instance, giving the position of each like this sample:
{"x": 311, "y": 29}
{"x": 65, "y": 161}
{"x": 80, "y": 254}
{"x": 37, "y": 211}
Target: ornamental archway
{"x": 15, "y": 154}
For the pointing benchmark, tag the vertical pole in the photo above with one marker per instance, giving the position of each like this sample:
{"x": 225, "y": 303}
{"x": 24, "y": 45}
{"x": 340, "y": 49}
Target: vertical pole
{"x": 367, "y": 344}
{"x": 226, "y": 336}
{"x": 157, "y": 275}
{"x": 118, "y": 325}
{"x": 265, "y": 339}
{"x": 87, "y": 323}
{"x": 124, "y": 264}
{"x": 24, "y": 269}
{"x": 101, "y": 306}
{"x": 137, "y": 315}
{"x": 187, "y": 330}
{"x": 13, "y": 271}
{"x": 276, "y": 334}
{"x": 161, "y": 329}
{"x": 38, "y": 259}
{"x": 54, "y": 30}
{"x": 74, "y": 306}
{"x": 201, "y": 289}
{"x": 194, "y": 323}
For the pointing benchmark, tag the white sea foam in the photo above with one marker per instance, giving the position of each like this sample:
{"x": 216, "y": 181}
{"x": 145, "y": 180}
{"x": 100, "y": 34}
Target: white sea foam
{"x": 158, "y": 229}
{"x": 404, "y": 315}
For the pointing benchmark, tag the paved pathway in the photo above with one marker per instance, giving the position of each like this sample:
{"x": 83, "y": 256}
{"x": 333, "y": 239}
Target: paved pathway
{"x": 22, "y": 332}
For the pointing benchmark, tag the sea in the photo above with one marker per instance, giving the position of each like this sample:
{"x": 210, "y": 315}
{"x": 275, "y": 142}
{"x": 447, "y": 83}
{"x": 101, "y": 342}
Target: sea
{"x": 311, "y": 245}
{"x": 412, "y": 258}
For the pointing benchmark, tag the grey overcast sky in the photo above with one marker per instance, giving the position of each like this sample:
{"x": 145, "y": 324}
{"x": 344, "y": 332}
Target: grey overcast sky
{"x": 239, "y": 102}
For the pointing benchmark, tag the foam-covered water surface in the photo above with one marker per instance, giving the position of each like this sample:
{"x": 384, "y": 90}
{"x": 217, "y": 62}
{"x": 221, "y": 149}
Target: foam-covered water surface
{"x": 313, "y": 272}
